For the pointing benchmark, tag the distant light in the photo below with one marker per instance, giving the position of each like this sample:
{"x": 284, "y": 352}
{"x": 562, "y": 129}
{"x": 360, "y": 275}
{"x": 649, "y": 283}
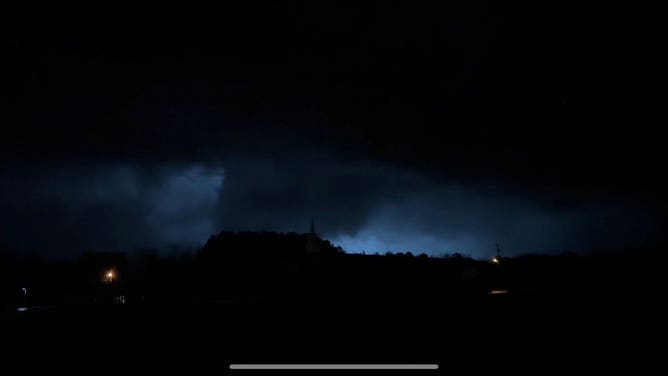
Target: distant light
{"x": 22, "y": 309}
{"x": 498, "y": 292}
{"x": 109, "y": 276}
{"x": 495, "y": 260}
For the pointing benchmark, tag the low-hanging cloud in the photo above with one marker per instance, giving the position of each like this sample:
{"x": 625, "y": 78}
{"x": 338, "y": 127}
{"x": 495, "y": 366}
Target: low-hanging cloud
{"x": 369, "y": 206}
{"x": 473, "y": 219}
{"x": 362, "y": 205}
{"x": 70, "y": 209}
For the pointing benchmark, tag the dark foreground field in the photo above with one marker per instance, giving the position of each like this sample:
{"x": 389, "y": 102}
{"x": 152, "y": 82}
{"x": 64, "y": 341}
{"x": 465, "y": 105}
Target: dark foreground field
{"x": 532, "y": 331}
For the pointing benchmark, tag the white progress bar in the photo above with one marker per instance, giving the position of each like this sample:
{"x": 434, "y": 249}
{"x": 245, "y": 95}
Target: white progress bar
{"x": 334, "y": 366}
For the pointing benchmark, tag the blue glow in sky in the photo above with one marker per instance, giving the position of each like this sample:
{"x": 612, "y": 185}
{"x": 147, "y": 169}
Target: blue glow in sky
{"x": 362, "y": 208}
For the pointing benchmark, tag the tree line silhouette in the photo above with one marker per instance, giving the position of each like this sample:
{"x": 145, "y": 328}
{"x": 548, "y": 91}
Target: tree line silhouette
{"x": 245, "y": 264}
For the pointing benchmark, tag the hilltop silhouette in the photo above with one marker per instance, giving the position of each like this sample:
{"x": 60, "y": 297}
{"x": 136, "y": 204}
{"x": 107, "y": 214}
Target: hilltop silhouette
{"x": 268, "y": 297}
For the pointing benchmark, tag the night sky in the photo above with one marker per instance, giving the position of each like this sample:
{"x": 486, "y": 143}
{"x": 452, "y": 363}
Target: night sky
{"x": 424, "y": 128}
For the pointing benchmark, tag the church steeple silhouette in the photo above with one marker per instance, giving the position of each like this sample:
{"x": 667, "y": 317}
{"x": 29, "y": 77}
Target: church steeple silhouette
{"x": 313, "y": 241}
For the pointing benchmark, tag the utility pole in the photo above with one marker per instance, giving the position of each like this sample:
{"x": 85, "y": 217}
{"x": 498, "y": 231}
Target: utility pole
{"x": 498, "y": 265}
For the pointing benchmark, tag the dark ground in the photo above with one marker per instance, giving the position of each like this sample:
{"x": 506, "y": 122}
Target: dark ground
{"x": 524, "y": 331}
{"x": 565, "y": 314}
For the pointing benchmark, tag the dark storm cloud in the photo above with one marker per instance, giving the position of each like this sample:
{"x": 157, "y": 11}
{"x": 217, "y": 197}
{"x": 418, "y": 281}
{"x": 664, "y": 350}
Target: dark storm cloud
{"x": 368, "y": 206}
{"x": 64, "y": 210}
{"x": 564, "y": 97}
{"x": 362, "y": 205}
{"x": 396, "y": 125}
{"x": 283, "y": 192}
{"x": 471, "y": 219}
